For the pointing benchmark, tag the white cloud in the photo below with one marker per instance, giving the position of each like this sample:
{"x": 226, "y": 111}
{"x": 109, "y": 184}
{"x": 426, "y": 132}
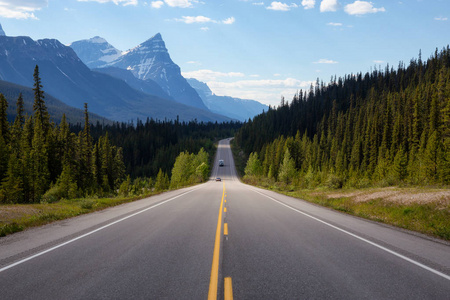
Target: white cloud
{"x": 203, "y": 19}
{"x": 281, "y": 6}
{"x": 308, "y": 4}
{"x": 277, "y": 75}
{"x": 266, "y": 91}
{"x": 21, "y": 9}
{"x": 379, "y": 61}
{"x": 334, "y": 24}
{"x": 157, "y": 4}
{"x": 197, "y": 19}
{"x": 229, "y": 21}
{"x": 441, "y": 18}
{"x": 362, "y": 8}
{"x": 209, "y": 75}
{"x": 180, "y": 3}
{"x": 325, "y": 61}
{"x": 329, "y": 5}
{"x": 204, "y": 28}
{"x": 116, "y": 2}
{"x": 258, "y": 3}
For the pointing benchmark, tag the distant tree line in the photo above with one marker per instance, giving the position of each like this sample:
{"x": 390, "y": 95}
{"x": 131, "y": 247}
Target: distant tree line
{"x": 40, "y": 161}
{"x": 153, "y": 145}
{"x": 384, "y": 127}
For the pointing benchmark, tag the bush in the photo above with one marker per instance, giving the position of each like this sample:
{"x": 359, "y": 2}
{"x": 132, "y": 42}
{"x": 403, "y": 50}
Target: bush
{"x": 334, "y": 182}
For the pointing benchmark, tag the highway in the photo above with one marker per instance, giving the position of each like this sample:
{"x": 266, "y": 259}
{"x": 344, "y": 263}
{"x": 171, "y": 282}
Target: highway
{"x": 222, "y": 239}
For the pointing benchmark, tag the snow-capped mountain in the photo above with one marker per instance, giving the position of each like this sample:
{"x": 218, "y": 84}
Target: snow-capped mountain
{"x": 2, "y": 33}
{"x": 151, "y": 60}
{"x": 236, "y": 108}
{"x": 67, "y": 78}
{"x": 95, "y": 52}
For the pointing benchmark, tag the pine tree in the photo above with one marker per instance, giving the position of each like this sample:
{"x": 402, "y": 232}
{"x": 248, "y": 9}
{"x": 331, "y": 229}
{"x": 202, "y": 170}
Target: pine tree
{"x": 39, "y": 107}
{"x": 39, "y": 159}
{"x": 253, "y": 167}
{"x": 287, "y": 169}
{"x": 4, "y": 124}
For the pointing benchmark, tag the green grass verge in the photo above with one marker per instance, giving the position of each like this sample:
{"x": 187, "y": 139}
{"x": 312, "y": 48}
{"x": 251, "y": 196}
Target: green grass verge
{"x": 431, "y": 218}
{"x": 17, "y": 217}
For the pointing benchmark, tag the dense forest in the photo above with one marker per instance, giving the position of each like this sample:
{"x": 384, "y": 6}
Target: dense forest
{"x": 42, "y": 161}
{"x": 384, "y": 128}
{"x": 153, "y": 145}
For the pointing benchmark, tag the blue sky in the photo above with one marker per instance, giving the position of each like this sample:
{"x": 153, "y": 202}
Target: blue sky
{"x": 250, "y": 49}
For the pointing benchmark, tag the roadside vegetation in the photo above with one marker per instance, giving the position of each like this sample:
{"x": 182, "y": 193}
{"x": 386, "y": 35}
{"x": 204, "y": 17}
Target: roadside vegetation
{"x": 369, "y": 135}
{"x": 50, "y": 172}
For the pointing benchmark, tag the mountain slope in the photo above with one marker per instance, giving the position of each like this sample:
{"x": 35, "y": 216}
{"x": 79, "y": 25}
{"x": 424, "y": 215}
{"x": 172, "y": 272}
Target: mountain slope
{"x": 147, "y": 86}
{"x": 95, "y": 52}
{"x": 55, "y": 107}
{"x": 235, "y": 108}
{"x": 67, "y": 78}
{"x": 151, "y": 60}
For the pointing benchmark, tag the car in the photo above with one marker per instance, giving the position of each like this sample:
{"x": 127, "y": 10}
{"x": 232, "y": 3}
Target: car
{"x": 221, "y": 163}
{"x": 218, "y": 179}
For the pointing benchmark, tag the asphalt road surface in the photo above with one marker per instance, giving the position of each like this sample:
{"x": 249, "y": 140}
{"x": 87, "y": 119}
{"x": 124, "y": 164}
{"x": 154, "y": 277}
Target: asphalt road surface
{"x": 222, "y": 239}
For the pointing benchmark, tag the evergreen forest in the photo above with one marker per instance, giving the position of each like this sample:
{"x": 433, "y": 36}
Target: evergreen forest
{"x": 44, "y": 162}
{"x": 382, "y": 128}
{"x": 40, "y": 161}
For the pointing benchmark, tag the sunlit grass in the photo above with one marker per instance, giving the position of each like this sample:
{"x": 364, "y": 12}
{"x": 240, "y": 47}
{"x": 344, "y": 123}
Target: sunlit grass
{"x": 17, "y": 217}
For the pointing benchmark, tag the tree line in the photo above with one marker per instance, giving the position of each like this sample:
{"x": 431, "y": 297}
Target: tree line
{"x": 44, "y": 161}
{"x": 155, "y": 144}
{"x": 41, "y": 161}
{"x": 381, "y": 128}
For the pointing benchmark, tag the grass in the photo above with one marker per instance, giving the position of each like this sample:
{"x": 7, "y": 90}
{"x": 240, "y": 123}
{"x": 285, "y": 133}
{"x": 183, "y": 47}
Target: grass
{"x": 431, "y": 218}
{"x": 18, "y": 217}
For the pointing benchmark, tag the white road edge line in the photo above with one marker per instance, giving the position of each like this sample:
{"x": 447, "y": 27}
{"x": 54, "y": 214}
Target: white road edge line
{"x": 91, "y": 232}
{"x": 360, "y": 238}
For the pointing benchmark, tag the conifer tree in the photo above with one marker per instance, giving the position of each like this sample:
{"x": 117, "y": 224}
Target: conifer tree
{"x": 4, "y": 125}
{"x": 287, "y": 169}
{"x": 39, "y": 107}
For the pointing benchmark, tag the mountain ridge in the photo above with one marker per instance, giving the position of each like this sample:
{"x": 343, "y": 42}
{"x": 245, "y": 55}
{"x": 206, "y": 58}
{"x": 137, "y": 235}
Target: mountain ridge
{"x": 236, "y": 108}
{"x": 68, "y": 79}
{"x": 151, "y": 60}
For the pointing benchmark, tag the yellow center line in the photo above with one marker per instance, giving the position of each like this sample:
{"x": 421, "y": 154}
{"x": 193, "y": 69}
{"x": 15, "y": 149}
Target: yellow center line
{"x": 225, "y": 229}
{"x": 225, "y": 209}
{"x": 213, "y": 282}
{"x": 228, "y": 289}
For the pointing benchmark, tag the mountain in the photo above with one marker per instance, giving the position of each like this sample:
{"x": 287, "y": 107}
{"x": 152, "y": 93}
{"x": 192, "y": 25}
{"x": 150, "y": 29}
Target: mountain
{"x": 95, "y": 52}
{"x": 147, "y": 86}
{"x": 2, "y": 33}
{"x": 151, "y": 60}
{"x": 235, "y": 108}
{"x": 55, "y": 107}
{"x": 68, "y": 79}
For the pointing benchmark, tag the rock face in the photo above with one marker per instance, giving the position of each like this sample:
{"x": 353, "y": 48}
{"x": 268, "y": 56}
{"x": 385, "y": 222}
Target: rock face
{"x": 67, "y": 78}
{"x": 95, "y": 52}
{"x": 151, "y": 60}
{"x": 236, "y": 108}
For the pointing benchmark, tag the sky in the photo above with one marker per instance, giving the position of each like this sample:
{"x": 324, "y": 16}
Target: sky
{"x": 251, "y": 49}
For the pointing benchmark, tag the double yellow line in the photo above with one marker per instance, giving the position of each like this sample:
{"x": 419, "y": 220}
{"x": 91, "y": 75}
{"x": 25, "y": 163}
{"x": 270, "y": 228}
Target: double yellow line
{"x": 213, "y": 282}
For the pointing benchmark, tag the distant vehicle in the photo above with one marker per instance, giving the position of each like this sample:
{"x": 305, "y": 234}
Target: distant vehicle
{"x": 221, "y": 163}
{"x": 218, "y": 179}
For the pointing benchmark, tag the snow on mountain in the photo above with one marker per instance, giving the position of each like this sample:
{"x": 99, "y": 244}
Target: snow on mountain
{"x": 67, "y": 78}
{"x": 2, "y": 33}
{"x": 151, "y": 60}
{"x": 235, "y": 108}
{"x": 95, "y": 52}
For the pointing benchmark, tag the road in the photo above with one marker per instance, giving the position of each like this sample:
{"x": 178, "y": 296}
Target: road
{"x": 217, "y": 238}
